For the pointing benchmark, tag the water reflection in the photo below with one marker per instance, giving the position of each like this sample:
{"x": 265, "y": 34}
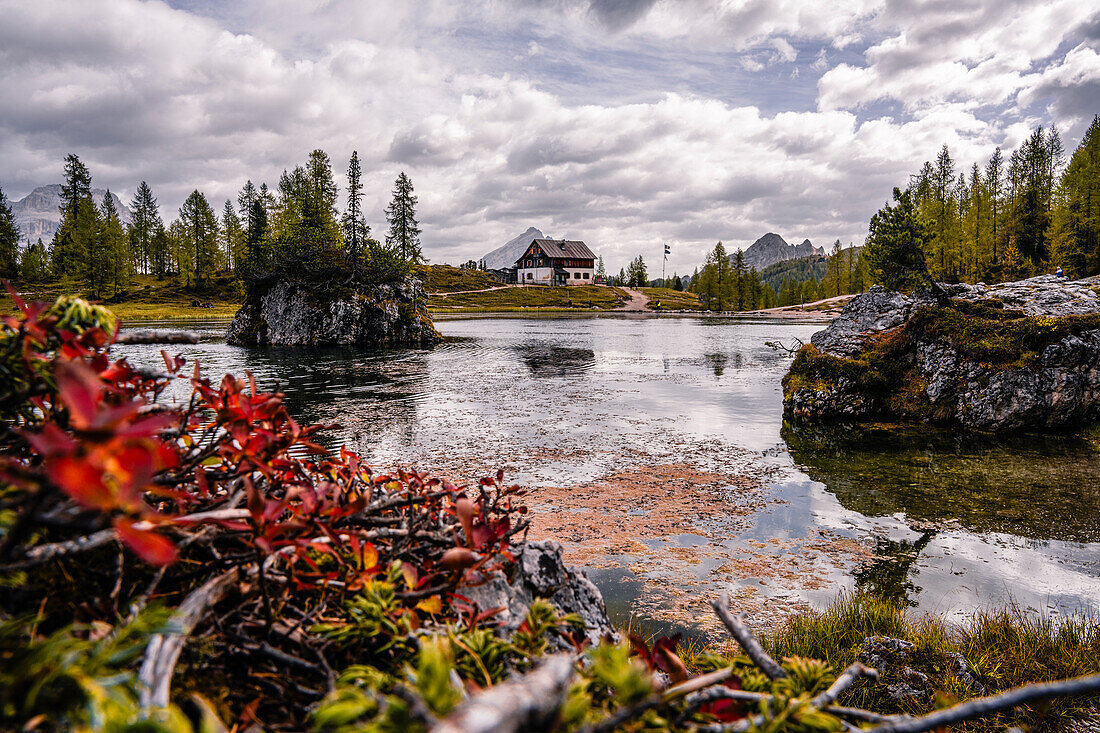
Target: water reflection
{"x": 1039, "y": 487}
{"x": 548, "y": 360}
{"x": 888, "y": 576}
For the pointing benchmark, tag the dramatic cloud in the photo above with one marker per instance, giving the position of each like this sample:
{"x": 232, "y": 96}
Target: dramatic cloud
{"x": 627, "y": 123}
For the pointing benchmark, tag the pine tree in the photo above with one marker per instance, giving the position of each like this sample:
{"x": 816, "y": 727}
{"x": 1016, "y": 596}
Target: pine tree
{"x": 256, "y": 238}
{"x": 75, "y": 234}
{"x": 895, "y": 245}
{"x": 356, "y": 231}
{"x": 199, "y": 230}
{"x": 144, "y": 222}
{"x": 994, "y": 183}
{"x": 738, "y": 279}
{"x": 9, "y": 241}
{"x": 601, "y": 271}
{"x": 404, "y": 234}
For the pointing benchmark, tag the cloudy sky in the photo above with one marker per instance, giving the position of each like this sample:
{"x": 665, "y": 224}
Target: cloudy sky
{"x": 626, "y": 123}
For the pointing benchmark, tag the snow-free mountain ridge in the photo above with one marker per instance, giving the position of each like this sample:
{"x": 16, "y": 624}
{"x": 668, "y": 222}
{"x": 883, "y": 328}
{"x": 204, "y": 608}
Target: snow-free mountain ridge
{"x": 507, "y": 254}
{"x": 772, "y": 248}
{"x": 38, "y": 214}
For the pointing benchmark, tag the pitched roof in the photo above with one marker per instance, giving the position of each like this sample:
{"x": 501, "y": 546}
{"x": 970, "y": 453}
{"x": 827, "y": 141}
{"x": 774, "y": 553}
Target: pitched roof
{"x": 565, "y": 249}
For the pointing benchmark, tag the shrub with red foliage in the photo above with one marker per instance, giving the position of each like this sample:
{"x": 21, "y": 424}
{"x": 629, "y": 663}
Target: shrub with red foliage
{"x": 92, "y": 461}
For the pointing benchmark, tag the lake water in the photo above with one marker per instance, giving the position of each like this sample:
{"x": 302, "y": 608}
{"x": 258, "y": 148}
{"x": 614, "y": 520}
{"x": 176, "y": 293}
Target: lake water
{"x": 656, "y": 452}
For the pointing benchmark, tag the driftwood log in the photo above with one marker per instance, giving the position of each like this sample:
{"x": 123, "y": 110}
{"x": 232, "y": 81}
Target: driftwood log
{"x": 157, "y": 337}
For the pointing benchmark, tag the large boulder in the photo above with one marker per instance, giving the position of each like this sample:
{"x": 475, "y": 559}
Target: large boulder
{"x": 1020, "y": 355}
{"x": 287, "y": 312}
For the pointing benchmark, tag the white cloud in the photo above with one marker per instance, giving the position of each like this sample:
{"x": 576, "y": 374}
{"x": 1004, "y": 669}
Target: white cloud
{"x": 457, "y": 95}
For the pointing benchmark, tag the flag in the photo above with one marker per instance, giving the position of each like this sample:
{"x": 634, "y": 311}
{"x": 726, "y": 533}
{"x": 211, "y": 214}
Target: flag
{"x": 668, "y": 250}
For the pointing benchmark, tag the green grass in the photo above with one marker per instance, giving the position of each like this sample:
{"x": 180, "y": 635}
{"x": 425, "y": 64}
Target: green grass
{"x": 669, "y": 299}
{"x": 148, "y": 298}
{"x": 575, "y": 297}
{"x": 448, "y": 279}
{"x": 1004, "y": 648}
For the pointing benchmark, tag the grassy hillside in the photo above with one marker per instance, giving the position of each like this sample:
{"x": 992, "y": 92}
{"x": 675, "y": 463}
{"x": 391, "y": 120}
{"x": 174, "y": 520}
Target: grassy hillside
{"x": 148, "y": 299}
{"x": 448, "y": 279}
{"x": 668, "y": 299}
{"x": 529, "y": 296}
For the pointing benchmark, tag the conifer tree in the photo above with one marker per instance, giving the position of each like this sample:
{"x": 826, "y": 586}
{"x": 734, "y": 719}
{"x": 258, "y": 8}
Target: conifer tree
{"x": 144, "y": 222}
{"x": 232, "y": 235}
{"x": 895, "y": 245}
{"x": 75, "y": 234}
{"x": 1076, "y": 222}
{"x": 199, "y": 232}
{"x": 34, "y": 264}
{"x": 113, "y": 261}
{"x": 9, "y": 241}
{"x": 356, "y": 231}
{"x": 404, "y": 234}
{"x": 601, "y": 271}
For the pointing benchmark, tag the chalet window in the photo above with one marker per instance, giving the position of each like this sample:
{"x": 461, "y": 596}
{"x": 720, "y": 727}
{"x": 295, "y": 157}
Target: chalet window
{"x": 586, "y": 276}
{"x": 528, "y": 276}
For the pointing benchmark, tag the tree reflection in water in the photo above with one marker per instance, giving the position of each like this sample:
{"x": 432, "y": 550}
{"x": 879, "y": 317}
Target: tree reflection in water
{"x": 547, "y": 360}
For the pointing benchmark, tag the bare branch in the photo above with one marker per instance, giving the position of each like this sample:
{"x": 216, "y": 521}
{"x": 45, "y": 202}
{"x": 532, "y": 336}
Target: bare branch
{"x": 846, "y": 679}
{"x": 520, "y": 704}
{"x": 741, "y": 633}
{"x": 991, "y": 704}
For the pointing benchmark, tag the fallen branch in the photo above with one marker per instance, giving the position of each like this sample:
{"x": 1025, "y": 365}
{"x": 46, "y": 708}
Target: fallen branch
{"x": 530, "y": 702}
{"x": 736, "y": 626}
{"x": 157, "y": 337}
{"x": 846, "y": 679}
{"x": 991, "y": 704}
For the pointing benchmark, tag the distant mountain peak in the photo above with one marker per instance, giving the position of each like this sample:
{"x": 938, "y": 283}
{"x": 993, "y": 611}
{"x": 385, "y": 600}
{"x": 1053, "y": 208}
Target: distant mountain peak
{"x": 772, "y": 248}
{"x": 37, "y": 215}
{"x": 507, "y": 254}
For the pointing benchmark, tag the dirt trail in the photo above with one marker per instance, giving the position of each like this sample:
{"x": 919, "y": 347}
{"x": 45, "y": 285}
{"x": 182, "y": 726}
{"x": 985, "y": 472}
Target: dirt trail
{"x": 482, "y": 290}
{"x": 638, "y": 301}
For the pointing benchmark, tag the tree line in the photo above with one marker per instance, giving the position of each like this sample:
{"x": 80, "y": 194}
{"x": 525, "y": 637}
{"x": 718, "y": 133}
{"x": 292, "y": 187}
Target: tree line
{"x": 1007, "y": 220}
{"x": 295, "y": 228}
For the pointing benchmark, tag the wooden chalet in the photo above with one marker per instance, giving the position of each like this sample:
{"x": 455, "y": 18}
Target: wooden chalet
{"x": 556, "y": 262}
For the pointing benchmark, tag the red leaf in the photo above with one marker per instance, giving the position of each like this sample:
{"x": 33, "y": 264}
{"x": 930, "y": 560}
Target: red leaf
{"x": 81, "y": 391}
{"x": 151, "y": 547}
{"x": 82, "y": 481}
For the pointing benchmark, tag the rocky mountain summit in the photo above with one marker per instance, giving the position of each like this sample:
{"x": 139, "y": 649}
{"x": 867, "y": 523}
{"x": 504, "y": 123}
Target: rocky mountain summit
{"x": 772, "y": 248}
{"x": 507, "y": 254}
{"x": 287, "y": 312}
{"x": 37, "y": 215}
{"x": 1019, "y": 355}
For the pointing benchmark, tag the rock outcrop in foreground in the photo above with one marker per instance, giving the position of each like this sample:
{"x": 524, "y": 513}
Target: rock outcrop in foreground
{"x": 292, "y": 313}
{"x": 1021, "y": 355}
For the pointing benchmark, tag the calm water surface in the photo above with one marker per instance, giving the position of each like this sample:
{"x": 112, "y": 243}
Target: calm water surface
{"x": 954, "y": 521}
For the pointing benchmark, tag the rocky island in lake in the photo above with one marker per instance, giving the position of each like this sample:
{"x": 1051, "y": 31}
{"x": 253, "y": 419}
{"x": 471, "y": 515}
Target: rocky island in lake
{"x": 1019, "y": 355}
{"x": 287, "y": 312}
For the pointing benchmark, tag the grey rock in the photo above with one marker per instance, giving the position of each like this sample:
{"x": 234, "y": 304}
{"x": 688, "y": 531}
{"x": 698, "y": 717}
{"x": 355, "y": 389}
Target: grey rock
{"x": 1061, "y": 390}
{"x": 290, "y": 313}
{"x": 542, "y": 573}
{"x": 37, "y": 215}
{"x": 507, "y": 254}
{"x": 889, "y": 656}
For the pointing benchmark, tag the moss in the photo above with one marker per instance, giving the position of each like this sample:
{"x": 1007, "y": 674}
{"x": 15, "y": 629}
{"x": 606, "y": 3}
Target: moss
{"x": 886, "y": 374}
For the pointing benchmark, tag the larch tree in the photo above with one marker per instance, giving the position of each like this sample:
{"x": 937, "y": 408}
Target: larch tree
{"x": 404, "y": 234}
{"x": 232, "y": 235}
{"x": 113, "y": 269}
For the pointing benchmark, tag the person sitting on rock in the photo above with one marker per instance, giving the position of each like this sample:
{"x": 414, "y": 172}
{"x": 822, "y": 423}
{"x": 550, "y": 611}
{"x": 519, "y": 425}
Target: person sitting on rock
{"x": 1058, "y": 273}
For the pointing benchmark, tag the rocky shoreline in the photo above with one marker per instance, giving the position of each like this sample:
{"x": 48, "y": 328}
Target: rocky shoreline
{"x": 1016, "y": 356}
{"x": 288, "y": 312}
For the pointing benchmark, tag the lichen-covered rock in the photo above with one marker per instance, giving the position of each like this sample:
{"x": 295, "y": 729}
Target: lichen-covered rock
{"x": 293, "y": 313}
{"x": 542, "y": 573}
{"x": 1022, "y": 355}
